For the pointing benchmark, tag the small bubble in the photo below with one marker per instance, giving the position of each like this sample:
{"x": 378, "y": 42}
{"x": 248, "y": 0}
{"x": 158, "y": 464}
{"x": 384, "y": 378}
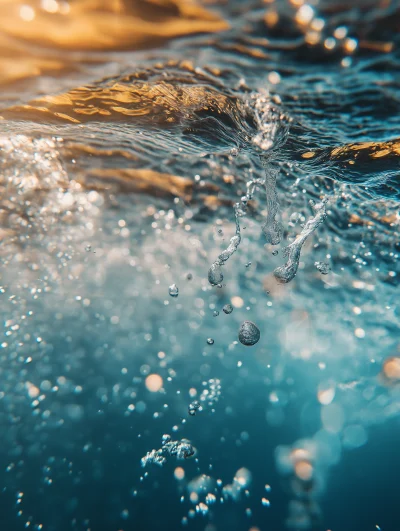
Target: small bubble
{"x": 166, "y": 438}
{"x": 249, "y": 334}
{"x": 322, "y": 267}
{"x": 194, "y": 407}
{"x": 215, "y": 313}
{"x": 88, "y": 248}
{"x": 265, "y": 502}
{"x": 189, "y": 276}
{"x": 275, "y": 252}
{"x": 210, "y": 341}
{"x": 248, "y": 264}
{"x": 234, "y": 152}
{"x": 173, "y": 290}
{"x": 220, "y": 231}
{"x": 228, "y": 308}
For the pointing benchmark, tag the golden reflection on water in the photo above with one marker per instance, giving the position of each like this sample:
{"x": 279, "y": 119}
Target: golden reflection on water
{"x": 359, "y": 152}
{"x": 38, "y": 36}
{"x": 164, "y": 102}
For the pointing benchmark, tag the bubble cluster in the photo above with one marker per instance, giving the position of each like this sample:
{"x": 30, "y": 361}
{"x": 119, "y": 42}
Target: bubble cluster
{"x": 194, "y": 407}
{"x": 212, "y": 392}
{"x": 323, "y": 267}
{"x": 182, "y": 449}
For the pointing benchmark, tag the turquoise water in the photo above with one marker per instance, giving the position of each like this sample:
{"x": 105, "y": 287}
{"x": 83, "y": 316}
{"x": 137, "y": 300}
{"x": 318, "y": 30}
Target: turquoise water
{"x": 219, "y": 150}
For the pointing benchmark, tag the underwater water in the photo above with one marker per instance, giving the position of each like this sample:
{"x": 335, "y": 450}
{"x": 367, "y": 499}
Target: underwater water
{"x": 199, "y": 265}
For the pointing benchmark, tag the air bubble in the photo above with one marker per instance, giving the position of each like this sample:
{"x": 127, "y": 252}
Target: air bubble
{"x": 173, "y": 290}
{"x": 249, "y": 334}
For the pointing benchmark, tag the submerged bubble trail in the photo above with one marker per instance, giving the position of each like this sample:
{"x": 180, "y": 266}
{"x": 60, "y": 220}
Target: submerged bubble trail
{"x": 182, "y": 449}
{"x": 272, "y": 227}
{"x": 287, "y": 272}
{"x": 215, "y": 276}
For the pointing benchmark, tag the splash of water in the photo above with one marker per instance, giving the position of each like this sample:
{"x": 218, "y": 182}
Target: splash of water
{"x": 272, "y": 227}
{"x": 215, "y": 276}
{"x": 287, "y": 272}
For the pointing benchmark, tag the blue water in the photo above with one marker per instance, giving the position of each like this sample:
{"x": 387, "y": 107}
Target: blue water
{"x": 123, "y": 183}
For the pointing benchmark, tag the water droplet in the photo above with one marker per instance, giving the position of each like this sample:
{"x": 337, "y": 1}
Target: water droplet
{"x": 173, "y": 290}
{"x": 228, "y": 308}
{"x": 249, "y": 334}
{"x": 210, "y": 341}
